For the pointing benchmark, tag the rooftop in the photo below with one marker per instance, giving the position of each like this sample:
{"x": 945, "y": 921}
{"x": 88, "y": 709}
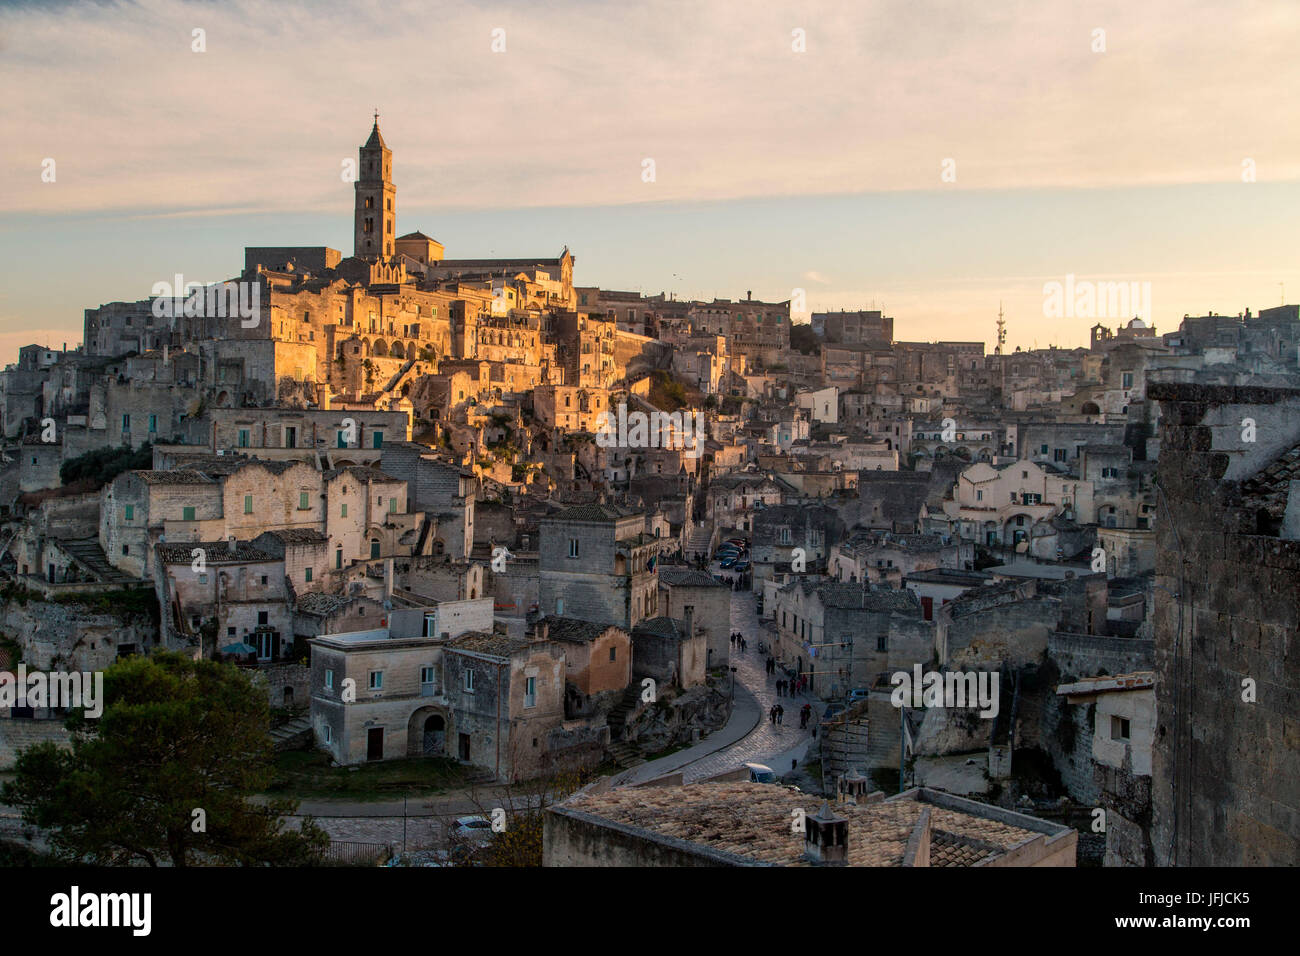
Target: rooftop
{"x": 752, "y": 821}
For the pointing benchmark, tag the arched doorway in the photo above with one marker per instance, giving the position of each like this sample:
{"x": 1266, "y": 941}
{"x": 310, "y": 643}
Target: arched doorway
{"x": 427, "y": 733}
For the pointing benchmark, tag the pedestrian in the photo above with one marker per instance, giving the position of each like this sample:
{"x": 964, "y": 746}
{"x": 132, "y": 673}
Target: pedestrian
{"x": 771, "y": 714}
{"x": 794, "y": 764}
{"x": 814, "y": 731}
{"x": 780, "y": 712}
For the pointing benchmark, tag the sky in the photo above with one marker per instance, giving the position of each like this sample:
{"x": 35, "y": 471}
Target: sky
{"x": 931, "y": 159}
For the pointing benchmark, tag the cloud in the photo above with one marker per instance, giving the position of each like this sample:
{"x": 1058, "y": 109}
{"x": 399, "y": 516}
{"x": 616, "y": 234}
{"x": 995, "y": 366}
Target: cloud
{"x": 714, "y": 93}
{"x": 815, "y": 277}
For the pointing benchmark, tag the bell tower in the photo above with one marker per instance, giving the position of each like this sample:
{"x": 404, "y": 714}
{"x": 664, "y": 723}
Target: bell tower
{"x": 376, "y": 200}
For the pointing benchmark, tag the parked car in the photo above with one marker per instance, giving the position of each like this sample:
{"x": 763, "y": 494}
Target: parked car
{"x": 728, "y": 563}
{"x": 738, "y": 542}
{"x": 857, "y": 694}
{"x": 741, "y": 566}
{"x": 471, "y": 830}
{"x": 761, "y": 773}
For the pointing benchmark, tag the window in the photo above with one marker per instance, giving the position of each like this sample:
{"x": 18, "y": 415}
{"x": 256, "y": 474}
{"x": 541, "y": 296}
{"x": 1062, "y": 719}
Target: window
{"x": 613, "y": 653}
{"x": 882, "y": 643}
{"x": 530, "y": 692}
{"x": 378, "y": 438}
{"x": 559, "y": 607}
{"x": 153, "y": 423}
{"x": 392, "y": 506}
{"x": 1128, "y": 383}
{"x": 1043, "y": 450}
{"x": 1119, "y": 729}
{"x": 262, "y": 615}
{"x": 338, "y": 558}
{"x": 128, "y": 513}
{"x": 203, "y": 579}
{"x": 126, "y": 549}
{"x": 342, "y": 440}
{"x": 376, "y": 680}
{"x": 469, "y": 681}
{"x": 302, "y": 501}
{"x": 573, "y": 548}
{"x": 265, "y": 645}
{"x": 126, "y": 423}
{"x": 329, "y": 680}
{"x": 374, "y": 549}
{"x": 329, "y": 734}
{"x": 187, "y": 514}
{"x": 343, "y": 511}
{"x": 979, "y": 496}
{"x": 248, "y": 504}
{"x": 243, "y": 438}
{"x": 307, "y": 575}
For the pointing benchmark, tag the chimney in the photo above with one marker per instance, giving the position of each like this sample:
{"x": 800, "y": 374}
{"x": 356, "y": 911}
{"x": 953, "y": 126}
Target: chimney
{"x": 749, "y": 296}
{"x": 826, "y": 838}
{"x": 388, "y": 579}
{"x": 853, "y": 788}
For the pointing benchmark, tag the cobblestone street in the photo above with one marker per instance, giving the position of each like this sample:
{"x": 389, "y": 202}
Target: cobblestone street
{"x": 749, "y": 736}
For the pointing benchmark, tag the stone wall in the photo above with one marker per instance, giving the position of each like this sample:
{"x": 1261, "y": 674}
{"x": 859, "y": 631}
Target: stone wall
{"x": 1088, "y": 655}
{"x": 1226, "y": 770}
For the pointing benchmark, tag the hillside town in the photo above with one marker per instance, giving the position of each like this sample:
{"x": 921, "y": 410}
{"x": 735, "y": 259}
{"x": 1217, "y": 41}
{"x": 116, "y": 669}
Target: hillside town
{"x": 471, "y": 510}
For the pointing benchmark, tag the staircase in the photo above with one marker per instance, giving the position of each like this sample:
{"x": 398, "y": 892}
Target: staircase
{"x": 87, "y": 553}
{"x": 624, "y": 754}
{"x": 698, "y": 542}
{"x": 293, "y": 735}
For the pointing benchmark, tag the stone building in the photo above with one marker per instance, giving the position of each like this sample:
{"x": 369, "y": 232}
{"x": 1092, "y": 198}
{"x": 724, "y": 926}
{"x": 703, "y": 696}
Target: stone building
{"x": 598, "y": 564}
{"x": 846, "y": 636}
{"x": 598, "y": 660}
{"x": 644, "y": 826}
{"x": 1123, "y": 731}
{"x": 1226, "y": 759}
{"x": 693, "y": 595}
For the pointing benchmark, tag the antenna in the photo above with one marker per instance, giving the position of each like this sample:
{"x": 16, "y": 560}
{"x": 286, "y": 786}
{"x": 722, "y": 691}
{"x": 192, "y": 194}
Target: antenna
{"x": 1002, "y": 330}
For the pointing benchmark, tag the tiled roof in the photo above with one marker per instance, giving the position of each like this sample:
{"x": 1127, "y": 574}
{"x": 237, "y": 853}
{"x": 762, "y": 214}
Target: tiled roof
{"x": 299, "y": 535}
{"x": 481, "y": 642}
{"x": 1269, "y": 488}
{"x": 687, "y": 578}
{"x": 753, "y": 820}
{"x": 214, "y": 552}
{"x": 662, "y": 627}
{"x": 182, "y": 476}
{"x": 573, "y": 630}
{"x": 593, "y": 512}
